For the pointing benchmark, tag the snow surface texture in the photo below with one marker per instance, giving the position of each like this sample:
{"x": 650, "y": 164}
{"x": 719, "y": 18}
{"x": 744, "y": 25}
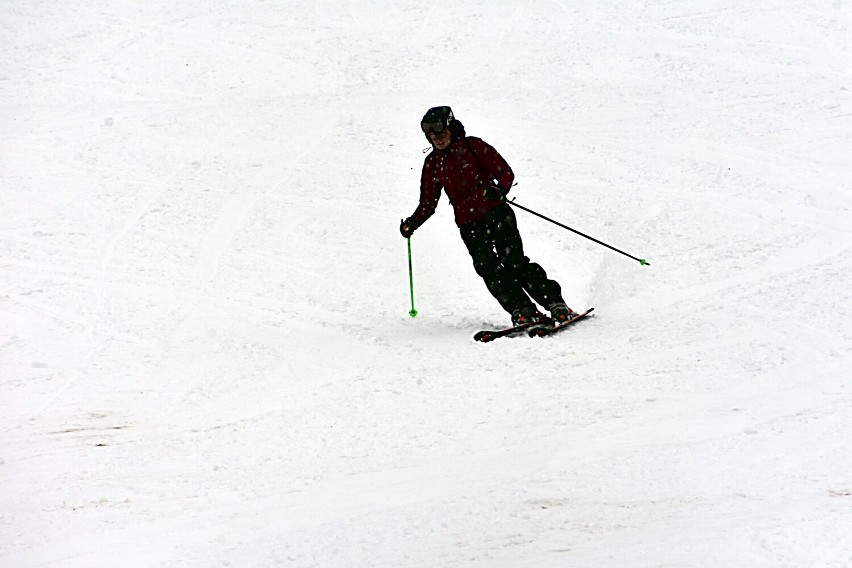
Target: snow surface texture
{"x": 205, "y": 353}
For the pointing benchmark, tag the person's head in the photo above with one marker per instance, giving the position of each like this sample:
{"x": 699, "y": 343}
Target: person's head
{"x": 437, "y": 125}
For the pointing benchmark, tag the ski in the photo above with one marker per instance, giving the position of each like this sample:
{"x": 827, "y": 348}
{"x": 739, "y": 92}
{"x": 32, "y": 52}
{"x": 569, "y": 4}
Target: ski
{"x": 487, "y": 335}
{"x": 557, "y": 327}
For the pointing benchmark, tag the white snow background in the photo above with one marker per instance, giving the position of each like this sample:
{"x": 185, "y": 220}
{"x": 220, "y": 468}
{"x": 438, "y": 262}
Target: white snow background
{"x": 205, "y": 353}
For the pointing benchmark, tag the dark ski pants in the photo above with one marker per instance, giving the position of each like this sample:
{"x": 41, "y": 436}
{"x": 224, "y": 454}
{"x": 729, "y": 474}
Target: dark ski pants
{"x": 498, "y": 257}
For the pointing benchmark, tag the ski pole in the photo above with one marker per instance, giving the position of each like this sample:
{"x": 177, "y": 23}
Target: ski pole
{"x": 641, "y": 261}
{"x": 412, "y": 312}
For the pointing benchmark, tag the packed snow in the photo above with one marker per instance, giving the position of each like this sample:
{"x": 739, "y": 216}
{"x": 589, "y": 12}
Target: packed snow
{"x": 206, "y": 357}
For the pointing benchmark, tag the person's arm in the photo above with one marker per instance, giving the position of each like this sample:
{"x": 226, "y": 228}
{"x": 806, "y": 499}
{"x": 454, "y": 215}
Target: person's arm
{"x": 496, "y": 168}
{"x": 430, "y": 194}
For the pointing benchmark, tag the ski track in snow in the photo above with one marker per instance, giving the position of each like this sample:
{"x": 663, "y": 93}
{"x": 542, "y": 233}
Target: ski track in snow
{"x": 205, "y": 354}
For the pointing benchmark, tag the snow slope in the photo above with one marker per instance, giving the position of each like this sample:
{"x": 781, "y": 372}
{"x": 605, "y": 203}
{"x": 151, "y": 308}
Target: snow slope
{"x": 205, "y": 353}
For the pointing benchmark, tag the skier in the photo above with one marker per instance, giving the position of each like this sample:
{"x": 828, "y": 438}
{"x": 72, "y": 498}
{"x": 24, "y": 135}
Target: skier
{"x": 466, "y": 168}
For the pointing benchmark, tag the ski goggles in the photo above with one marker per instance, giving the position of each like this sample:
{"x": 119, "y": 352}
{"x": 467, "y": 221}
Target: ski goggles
{"x": 432, "y": 127}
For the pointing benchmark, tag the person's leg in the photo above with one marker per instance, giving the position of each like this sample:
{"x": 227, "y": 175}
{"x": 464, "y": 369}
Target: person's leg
{"x": 478, "y": 237}
{"x": 530, "y": 276}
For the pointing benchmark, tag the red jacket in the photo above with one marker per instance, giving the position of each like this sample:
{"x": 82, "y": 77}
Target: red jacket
{"x": 464, "y": 170}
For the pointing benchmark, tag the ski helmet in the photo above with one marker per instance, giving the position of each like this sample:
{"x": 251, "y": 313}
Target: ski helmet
{"x": 436, "y": 120}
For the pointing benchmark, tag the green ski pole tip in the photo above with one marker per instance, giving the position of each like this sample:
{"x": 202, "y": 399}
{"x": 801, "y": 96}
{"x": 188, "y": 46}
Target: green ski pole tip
{"x": 644, "y": 262}
{"x": 413, "y": 313}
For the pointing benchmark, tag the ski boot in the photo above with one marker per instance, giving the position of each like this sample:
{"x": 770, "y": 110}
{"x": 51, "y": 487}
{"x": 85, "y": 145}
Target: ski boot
{"x": 560, "y": 313}
{"x": 528, "y": 316}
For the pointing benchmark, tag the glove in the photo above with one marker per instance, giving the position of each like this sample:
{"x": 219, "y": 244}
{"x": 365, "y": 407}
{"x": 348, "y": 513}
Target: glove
{"x": 494, "y": 192}
{"x": 406, "y": 227}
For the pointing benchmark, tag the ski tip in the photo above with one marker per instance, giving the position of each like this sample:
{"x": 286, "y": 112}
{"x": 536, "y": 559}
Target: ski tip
{"x": 483, "y": 337}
